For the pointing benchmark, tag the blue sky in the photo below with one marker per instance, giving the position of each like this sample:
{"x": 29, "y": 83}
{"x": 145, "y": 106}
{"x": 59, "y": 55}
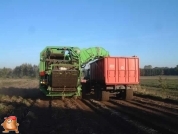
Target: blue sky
{"x": 146, "y": 28}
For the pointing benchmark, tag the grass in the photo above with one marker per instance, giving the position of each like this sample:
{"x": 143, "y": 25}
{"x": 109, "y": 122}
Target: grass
{"x": 18, "y": 83}
{"x": 156, "y": 77}
{"x": 170, "y": 82}
{"x": 160, "y": 86}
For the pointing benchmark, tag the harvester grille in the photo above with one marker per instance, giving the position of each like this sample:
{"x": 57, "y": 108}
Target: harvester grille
{"x": 64, "y": 80}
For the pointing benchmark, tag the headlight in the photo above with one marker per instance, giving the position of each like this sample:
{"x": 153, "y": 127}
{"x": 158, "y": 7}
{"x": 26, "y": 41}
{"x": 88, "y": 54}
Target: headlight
{"x": 44, "y": 81}
{"x": 62, "y": 68}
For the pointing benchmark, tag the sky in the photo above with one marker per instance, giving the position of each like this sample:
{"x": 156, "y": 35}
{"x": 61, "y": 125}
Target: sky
{"x": 145, "y": 28}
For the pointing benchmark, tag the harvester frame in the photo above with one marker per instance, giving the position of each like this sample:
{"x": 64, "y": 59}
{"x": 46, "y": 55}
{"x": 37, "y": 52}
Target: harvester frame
{"x": 61, "y": 73}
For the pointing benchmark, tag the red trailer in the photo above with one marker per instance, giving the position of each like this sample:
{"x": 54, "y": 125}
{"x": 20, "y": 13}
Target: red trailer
{"x": 114, "y": 75}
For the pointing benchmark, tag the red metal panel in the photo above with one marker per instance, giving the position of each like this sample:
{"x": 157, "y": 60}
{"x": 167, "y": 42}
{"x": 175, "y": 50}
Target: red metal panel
{"x": 116, "y": 70}
{"x": 110, "y": 70}
{"x": 121, "y": 70}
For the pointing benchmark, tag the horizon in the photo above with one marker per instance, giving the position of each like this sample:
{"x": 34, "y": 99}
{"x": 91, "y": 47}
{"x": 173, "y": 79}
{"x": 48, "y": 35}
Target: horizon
{"x": 146, "y": 29}
{"x": 86, "y": 66}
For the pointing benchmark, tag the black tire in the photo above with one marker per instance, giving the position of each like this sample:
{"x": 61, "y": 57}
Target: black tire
{"x": 83, "y": 92}
{"x": 121, "y": 94}
{"x": 88, "y": 88}
{"x": 98, "y": 94}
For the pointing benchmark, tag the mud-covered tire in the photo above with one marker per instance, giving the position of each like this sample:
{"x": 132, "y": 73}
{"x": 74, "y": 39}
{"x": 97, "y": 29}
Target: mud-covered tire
{"x": 88, "y": 88}
{"x": 129, "y": 94}
{"x": 83, "y": 92}
{"x": 105, "y": 96}
{"x": 97, "y": 92}
{"x": 121, "y": 94}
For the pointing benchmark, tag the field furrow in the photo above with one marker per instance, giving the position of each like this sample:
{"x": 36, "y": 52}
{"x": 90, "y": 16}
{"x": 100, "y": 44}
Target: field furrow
{"x": 38, "y": 114}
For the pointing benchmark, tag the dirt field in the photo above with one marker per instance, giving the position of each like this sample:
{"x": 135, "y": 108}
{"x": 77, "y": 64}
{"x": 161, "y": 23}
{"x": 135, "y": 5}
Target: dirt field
{"x": 39, "y": 115}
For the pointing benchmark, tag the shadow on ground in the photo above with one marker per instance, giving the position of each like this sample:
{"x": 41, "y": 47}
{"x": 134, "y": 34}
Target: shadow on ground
{"x": 31, "y": 93}
{"x": 156, "y": 98}
{"x": 41, "y": 117}
{"x": 55, "y": 116}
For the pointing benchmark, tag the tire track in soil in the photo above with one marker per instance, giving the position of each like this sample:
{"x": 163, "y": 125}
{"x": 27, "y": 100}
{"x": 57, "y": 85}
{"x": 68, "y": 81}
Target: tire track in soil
{"x": 116, "y": 119}
{"x": 76, "y": 116}
{"x": 161, "y": 123}
{"x": 80, "y": 119}
{"x": 157, "y": 99}
{"x": 65, "y": 116}
{"x": 154, "y": 108}
{"x": 21, "y": 110}
{"x": 84, "y": 121}
{"x": 40, "y": 121}
{"x": 68, "y": 120}
{"x": 167, "y": 114}
{"x": 163, "y": 105}
{"x": 53, "y": 116}
{"x": 100, "y": 124}
{"x": 86, "y": 126}
{"x": 151, "y": 109}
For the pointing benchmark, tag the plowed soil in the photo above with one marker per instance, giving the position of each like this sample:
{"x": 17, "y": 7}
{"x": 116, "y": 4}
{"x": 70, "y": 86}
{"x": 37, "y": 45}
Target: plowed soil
{"x": 88, "y": 116}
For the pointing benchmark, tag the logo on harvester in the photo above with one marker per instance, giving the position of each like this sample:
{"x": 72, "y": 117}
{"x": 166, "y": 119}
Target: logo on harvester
{"x": 10, "y": 124}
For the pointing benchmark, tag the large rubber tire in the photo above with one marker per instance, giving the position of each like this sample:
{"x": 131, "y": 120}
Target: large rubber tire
{"x": 105, "y": 96}
{"x": 121, "y": 94}
{"x": 129, "y": 94}
{"x": 95, "y": 93}
{"x": 88, "y": 88}
{"x": 98, "y": 93}
{"x": 83, "y": 90}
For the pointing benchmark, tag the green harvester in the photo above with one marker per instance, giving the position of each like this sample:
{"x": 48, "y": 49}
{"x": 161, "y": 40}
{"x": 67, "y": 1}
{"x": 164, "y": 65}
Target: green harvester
{"x": 60, "y": 69}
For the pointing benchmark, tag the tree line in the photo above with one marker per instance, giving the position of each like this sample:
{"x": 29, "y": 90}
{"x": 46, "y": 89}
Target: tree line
{"x": 29, "y": 70}
{"x": 149, "y": 71}
{"x": 24, "y": 70}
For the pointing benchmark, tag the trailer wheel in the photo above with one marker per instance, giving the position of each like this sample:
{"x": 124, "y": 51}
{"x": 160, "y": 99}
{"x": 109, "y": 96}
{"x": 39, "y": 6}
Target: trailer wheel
{"x": 105, "y": 96}
{"x": 88, "y": 88}
{"x": 98, "y": 93}
{"x": 83, "y": 92}
{"x": 95, "y": 92}
{"x": 129, "y": 94}
{"x": 121, "y": 94}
